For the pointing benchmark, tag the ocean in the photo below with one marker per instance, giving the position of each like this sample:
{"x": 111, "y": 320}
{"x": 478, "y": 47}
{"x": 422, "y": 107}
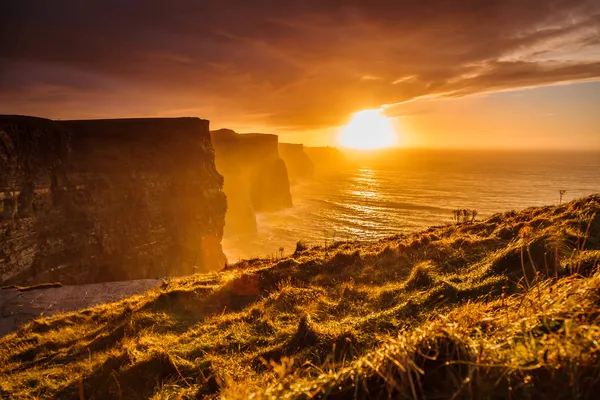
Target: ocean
{"x": 403, "y": 191}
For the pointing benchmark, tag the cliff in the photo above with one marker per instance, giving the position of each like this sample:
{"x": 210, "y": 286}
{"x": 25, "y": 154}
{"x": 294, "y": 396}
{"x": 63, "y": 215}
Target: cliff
{"x": 256, "y": 178}
{"x": 298, "y": 163}
{"x": 101, "y": 200}
{"x": 326, "y": 158}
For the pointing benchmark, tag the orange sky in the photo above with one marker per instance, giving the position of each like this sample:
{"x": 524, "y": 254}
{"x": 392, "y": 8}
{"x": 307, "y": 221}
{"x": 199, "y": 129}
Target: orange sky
{"x": 549, "y": 117}
{"x": 450, "y": 73}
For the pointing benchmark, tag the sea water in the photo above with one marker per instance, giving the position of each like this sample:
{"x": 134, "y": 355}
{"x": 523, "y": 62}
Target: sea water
{"x": 405, "y": 191}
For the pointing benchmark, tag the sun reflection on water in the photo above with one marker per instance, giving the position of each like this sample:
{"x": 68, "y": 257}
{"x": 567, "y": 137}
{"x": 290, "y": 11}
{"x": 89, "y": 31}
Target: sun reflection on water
{"x": 373, "y": 202}
{"x": 364, "y": 193}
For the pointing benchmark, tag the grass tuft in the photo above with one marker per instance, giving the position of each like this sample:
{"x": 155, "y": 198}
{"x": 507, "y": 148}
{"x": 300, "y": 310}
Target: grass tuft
{"x": 421, "y": 277}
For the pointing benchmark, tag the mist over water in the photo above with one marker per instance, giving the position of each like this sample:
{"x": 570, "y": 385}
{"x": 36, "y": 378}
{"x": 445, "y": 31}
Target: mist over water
{"x": 402, "y": 191}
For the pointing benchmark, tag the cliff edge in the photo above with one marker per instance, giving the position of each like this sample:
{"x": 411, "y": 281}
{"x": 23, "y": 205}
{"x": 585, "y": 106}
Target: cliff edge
{"x": 256, "y": 177}
{"x": 103, "y": 200}
{"x": 298, "y": 163}
{"x": 326, "y": 158}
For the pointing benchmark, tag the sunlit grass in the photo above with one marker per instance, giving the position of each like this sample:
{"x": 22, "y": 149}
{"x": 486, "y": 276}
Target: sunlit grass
{"x": 500, "y": 308}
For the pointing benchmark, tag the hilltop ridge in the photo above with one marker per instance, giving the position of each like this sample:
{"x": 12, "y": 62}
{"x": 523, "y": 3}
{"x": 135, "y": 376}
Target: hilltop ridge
{"x": 505, "y": 307}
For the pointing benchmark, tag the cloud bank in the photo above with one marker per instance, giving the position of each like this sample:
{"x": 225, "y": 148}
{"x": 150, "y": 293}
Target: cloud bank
{"x": 288, "y": 65}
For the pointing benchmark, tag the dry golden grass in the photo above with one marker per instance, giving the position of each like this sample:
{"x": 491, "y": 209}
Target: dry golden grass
{"x": 506, "y": 307}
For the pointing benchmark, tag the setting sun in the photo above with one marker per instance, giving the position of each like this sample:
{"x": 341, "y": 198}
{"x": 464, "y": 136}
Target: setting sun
{"x": 368, "y": 130}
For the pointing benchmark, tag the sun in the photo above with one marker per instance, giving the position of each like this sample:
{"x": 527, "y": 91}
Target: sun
{"x": 368, "y": 130}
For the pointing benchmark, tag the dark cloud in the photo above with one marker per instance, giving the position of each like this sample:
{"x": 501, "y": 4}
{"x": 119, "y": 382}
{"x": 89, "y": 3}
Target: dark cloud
{"x": 297, "y": 64}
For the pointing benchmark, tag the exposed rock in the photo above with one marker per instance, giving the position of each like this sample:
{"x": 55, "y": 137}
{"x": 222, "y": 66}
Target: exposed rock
{"x": 19, "y": 307}
{"x": 326, "y": 158}
{"x": 298, "y": 164}
{"x": 256, "y": 178}
{"x": 105, "y": 200}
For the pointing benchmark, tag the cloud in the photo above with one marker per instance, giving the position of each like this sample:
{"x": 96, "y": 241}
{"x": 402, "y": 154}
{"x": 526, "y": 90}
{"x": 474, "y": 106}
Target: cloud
{"x": 298, "y": 65}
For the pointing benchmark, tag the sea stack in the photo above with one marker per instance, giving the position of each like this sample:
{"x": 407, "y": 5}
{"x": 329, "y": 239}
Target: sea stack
{"x": 256, "y": 177}
{"x": 298, "y": 163}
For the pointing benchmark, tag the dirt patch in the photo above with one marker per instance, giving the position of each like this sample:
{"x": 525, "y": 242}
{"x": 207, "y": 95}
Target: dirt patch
{"x": 18, "y": 307}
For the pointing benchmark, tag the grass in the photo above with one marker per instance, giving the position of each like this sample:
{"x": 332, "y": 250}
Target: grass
{"x": 501, "y": 308}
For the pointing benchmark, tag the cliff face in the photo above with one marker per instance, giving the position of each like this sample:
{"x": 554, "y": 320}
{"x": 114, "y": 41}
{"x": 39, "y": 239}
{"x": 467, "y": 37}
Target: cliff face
{"x": 92, "y": 201}
{"x": 326, "y": 158}
{"x": 298, "y": 163}
{"x": 256, "y": 178}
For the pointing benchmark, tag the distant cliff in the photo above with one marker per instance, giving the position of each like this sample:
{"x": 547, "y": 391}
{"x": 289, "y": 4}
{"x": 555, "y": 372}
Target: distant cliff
{"x": 326, "y": 158}
{"x": 100, "y": 200}
{"x": 256, "y": 178}
{"x": 298, "y": 163}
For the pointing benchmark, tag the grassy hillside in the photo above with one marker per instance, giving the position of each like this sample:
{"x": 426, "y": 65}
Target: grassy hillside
{"x": 506, "y": 307}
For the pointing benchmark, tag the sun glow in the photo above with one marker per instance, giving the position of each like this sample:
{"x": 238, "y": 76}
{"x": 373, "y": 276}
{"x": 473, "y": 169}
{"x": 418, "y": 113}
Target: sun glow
{"x": 368, "y": 130}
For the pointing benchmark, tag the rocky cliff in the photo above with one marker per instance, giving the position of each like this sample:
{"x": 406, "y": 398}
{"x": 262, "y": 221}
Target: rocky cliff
{"x": 326, "y": 158}
{"x": 256, "y": 178}
{"x": 298, "y": 163}
{"x": 100, "y": 200}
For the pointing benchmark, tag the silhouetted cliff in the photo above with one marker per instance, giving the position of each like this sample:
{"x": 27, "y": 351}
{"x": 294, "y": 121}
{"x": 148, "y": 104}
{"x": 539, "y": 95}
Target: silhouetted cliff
{"x": 326, "y": 158}
{"x": 98, "y": 200}
{"x": 256, "y": 178}
{"x": 298, "y": 164}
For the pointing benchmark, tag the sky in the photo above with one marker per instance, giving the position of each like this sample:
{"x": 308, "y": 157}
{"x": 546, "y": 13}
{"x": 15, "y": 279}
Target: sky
{"x": 470, "y": 73}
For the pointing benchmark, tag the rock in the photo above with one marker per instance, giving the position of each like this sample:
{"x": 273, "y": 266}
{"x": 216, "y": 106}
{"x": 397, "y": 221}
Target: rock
{"x": 17, "y": 307}
{"x": 298, "y": 163}
{"x": 256, "y": 178}
{"x": 110, "y": 199}
{"x": 326, "y": 158}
